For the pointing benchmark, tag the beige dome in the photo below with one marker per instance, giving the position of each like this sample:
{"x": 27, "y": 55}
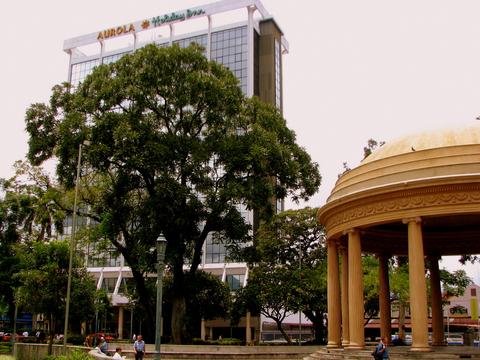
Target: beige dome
{"x": 427, "y": 140}
{"x": 434, "y": 175}
{"x": 427, "y": 155}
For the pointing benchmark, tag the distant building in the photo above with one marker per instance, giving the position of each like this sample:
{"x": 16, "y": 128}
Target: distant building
{"x": 251, "y": 45}
{"x": 461, "y": 312}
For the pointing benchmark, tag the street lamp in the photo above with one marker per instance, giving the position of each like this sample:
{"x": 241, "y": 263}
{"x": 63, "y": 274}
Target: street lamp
{"x": 300, "y": 308}
{"x": 161, "y": 247}
{"x": 72, "y": 246}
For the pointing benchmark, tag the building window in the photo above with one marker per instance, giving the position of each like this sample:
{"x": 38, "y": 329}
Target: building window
{"x": 108, "y": 284}
{"x": 127, "y": 286}
{"x": 99, "y": 257}
{"x": 473, "y": 292}
{"x": 113, "y": 58}
{"x": 215, "y": 250}
{"x": 235, "y": 281}
{"x": 81, "y": 70}
{"x": 199, "y": 40}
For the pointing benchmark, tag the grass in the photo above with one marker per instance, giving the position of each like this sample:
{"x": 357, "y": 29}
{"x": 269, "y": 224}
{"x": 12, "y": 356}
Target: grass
{"x": 6, "y": 357}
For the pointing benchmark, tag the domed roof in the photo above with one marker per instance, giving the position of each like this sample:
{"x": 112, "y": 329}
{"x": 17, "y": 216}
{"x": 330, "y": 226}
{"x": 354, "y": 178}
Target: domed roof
{"x": 432, "y": 175}
{"x": 421, "y": 157}
{"x": 427, "y": 140}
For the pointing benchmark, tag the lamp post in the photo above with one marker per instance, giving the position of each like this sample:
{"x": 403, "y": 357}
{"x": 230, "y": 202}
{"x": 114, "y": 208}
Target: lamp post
{"x": 161, "y": 247}
{"x": 300, "y": 308}
{"x": 72, "y": 247}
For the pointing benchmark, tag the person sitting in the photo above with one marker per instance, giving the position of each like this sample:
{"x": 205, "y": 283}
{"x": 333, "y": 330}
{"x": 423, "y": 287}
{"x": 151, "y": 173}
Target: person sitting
{"x": 118, "y": 353}
{"x": 103, "y": 345}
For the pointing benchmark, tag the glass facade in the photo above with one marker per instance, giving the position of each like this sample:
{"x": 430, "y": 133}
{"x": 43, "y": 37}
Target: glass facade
{"x": 228, "y": 47}
{"x": 81, "y": 70}
{"x": 199, "y": 40}
{"x": 102, "y": 258}
{"x": 112, "y": 58}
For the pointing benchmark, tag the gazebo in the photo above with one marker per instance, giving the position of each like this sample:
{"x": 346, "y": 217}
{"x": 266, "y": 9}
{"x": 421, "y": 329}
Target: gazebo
{"x": 418, "y": 196}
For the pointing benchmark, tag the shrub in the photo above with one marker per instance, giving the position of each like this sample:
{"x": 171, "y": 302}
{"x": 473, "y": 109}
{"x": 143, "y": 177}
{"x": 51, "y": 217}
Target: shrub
{"x": 76, "y": 340}
{"x": 226, "y": 341}
{"x": 5, "y": 348}
{"x": 230, "y": 341}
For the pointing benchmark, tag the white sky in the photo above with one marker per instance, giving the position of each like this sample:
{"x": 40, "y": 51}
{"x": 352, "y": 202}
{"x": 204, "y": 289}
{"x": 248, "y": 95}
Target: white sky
{"x": 356, "y": 69}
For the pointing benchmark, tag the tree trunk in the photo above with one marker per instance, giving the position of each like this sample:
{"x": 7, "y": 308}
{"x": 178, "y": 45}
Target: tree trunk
{"x": 145, "y": 303}
{"x": 401, "y": 321}
{"x": 282, "y": 331}
{"x": 178, "y": 319}
{"x": 179, "y": 307}
{"x": 11, "y": 305}
{"x": 318, "y": 326}
{"x": 51, "y": 326}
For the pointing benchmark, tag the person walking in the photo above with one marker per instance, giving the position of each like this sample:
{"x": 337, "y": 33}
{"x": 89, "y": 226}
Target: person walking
{"x": 139, "y": 348}
{"x": 381, "y": 351}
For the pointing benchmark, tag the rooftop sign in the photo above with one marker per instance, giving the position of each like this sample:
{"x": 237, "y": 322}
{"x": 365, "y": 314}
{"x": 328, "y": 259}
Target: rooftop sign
{"x": 162, "y": 20}
{"x": 146, "y": 24}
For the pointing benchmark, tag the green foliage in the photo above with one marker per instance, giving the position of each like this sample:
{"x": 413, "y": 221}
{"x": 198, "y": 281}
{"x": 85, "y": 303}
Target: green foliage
{"x": 370, "y": 286}
{"x": 399, "y": 282}
{"x": 222, "y": 342}
{"x": 76, "y": 339}
{"x": 290, "y": 271}
{"x": 372, "y": 145}
{"x": 5, "y": 347}
{"x": 29, "y": 211}
{"x": 454, "y": 283}
{"x": 75, "y": 355}
{"x": 209, "y": 298}
{"x": 43, "y": 283}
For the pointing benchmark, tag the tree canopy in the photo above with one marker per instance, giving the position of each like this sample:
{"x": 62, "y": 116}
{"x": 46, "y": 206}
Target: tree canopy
{"x": 290, "y": 271}
{"x": 43, "y": 284}
{"x": 174, "y": 148}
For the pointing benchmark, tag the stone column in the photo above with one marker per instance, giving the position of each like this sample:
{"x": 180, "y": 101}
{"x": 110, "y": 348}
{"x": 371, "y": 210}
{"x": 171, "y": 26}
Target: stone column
{"x": 418, "y": 287}
{"x": 344, "y": 296}
{"x": 333, "y": 296}
{"x": 203, "y": 330}
{"x": 120, "y": 322}
{"x": 384, "y": 299}
{"x": 355, "y": 291}
{"x": 438, "y": 335}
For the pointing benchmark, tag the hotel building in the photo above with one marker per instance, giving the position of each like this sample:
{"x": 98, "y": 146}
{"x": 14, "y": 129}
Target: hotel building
{"x": 239, "y": 34}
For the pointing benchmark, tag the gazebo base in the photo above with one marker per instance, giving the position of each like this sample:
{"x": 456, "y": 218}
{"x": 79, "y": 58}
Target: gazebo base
{"x": 398, "y": 352}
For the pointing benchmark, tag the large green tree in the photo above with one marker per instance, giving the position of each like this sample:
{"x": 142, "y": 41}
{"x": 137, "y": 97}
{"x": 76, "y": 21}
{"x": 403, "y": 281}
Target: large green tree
{"x": 28, "y": 211}
{"x": 290, "y": 270}
{"x": 175, "y": 148}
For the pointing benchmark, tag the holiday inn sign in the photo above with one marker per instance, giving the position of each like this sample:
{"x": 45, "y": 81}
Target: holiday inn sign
{"x": 162, "y": 20}
{"x": 145, "y": 24}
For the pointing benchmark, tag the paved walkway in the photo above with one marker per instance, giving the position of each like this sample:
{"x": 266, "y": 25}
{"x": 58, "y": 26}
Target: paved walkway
{"x": 261, "y": 352}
